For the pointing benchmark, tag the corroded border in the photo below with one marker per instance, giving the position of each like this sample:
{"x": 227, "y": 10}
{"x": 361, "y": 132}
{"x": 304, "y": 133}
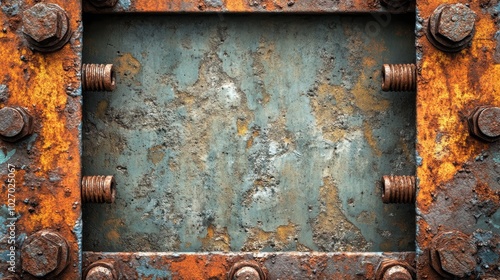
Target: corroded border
{"x": 247, "y": 6}
{"x": 47, "y": 163}
{"x": 288, "y": 265}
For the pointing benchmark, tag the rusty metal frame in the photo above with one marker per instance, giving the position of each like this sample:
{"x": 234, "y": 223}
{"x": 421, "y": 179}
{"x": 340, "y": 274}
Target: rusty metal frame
{"x": 457, "y": 173}
{"x": 249, "y": 6}
{"x": 290, "y": 265}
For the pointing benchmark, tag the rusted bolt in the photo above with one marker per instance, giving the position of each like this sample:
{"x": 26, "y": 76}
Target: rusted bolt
{"x": 98, "y": 77}
{"x": 45, "y": 254}
{"x": 102, "y": 270}
{"x": 399, "y": 189}
{"x": 46, "y": 27}
{"x": 246, "y": 270}
{"x": 395, "y": 4}
{"x": 397, "y": 272}
{"x": 15, "y": 123}
{"x": 484, "y": 123}
{"x": 451, "y": 27}
{"x": 98, "y": 189}
{"x": 453, "y": 254}
{"x": 399, "y": 77}
{"x": 103, "y": 3}
{"x": 394, "y": 270}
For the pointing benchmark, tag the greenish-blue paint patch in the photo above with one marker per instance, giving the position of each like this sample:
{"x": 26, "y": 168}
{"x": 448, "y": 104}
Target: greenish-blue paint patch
{"x": 5, "y": 156}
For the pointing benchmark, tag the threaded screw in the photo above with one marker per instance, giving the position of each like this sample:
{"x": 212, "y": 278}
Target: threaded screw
{"x": 98, "y": 77}
{"x": 98, "y": 189}
{"x": 399, "y": 189}
{"x": 399, "y": 77}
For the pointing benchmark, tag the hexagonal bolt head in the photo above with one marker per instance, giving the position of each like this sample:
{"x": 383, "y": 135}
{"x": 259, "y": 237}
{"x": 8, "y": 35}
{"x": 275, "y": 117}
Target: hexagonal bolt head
{"x": 103, "y": 269}
{"x": 246, "y": 270}
{"x": 451, "y": 27}
{"x": 45, "y": 254}
{"x": 15, "y": 123}
{"x": 484, "y": 123}
{"x": 394, "y": 270}
{"x": 103, "y": 3}
{"x": 453, "y": 254}
{"x": 456, "y": 22}
{"x": 46, "y": 27}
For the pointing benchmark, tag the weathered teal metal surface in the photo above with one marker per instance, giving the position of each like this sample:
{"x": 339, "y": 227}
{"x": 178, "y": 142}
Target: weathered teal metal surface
{"x": 248, "y": 133}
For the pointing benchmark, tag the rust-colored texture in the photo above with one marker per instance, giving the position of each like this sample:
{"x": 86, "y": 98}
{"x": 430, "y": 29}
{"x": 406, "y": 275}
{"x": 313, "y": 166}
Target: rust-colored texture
{"x": 40, "y": 121}
{"x": 458, "y": 201}
{"x": 291, "y": 265}
{"x": 245, "y": 6}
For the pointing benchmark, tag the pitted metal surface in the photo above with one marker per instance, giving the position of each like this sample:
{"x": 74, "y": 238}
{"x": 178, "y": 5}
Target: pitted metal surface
{"x": 254, "y": 133}
{"x": 458, "y": 197}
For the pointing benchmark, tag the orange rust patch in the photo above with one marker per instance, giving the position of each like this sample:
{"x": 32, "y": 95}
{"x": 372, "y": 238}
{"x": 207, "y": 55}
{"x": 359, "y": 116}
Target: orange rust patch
{"x": 255, "y": 134}
{"x": 366, "y": 99}
{"x": 196, "y": 267}
{"x": 242, "y": 126}
{"x": 368, "y": 131}
{"x": 127, "y": 65}
{"x": 113, "y": 235}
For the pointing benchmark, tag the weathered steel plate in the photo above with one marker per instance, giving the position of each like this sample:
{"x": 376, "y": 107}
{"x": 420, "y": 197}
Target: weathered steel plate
{"x": 249, "y": 133}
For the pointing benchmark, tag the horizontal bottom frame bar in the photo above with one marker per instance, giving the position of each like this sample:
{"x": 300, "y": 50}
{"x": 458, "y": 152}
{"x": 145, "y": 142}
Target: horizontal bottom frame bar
{"x": 282, "y": 265}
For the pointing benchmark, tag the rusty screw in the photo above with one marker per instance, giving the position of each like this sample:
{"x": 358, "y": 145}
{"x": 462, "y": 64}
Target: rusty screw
{"x": 451, "y": 27}
{"x": 394, "y": 270}
{"x": 98, "y": 77}
{"x": 246, "y": 270}
{"x": 98, "y": 189}
{"x": 484, "y": 123}
{"x": 452, "y": 254}
{"x": 45, "y": 254}
{"x": 103, "y": 3}
{"x": 399, "y": 189}
{"x": 15, "y": 123}
{"x": 46, "y": 27}
{"x": 399, "y": 77}
{"x": 102, "y": 270}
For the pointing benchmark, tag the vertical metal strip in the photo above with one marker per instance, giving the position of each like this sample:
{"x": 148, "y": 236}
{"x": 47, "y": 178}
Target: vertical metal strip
{"x": 41, "y": 172}
{"x": 458, "y": 194}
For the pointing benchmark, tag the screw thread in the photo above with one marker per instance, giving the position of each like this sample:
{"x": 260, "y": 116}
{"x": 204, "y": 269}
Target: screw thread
{"x": 399, "y": 189}
{"x": 98, "y": 189}
{"x": 98, "y": 77}
{"x": 399, "y": 77}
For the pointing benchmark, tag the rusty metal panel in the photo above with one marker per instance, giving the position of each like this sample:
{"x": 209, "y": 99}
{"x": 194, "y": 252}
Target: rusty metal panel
{"x": 458, "y": 225}
{"x": 40, "y": 122}
{"x": 292, "y": 265}
{"x": 248, "y": 133}
{"x": 247, "y": 6}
